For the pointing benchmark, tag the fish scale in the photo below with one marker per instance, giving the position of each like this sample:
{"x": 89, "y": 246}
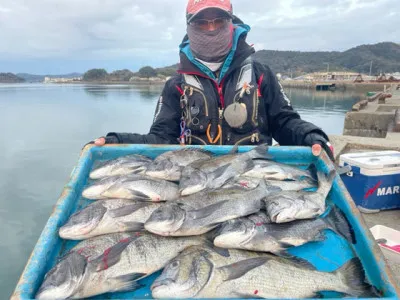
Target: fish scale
{"x": 144, "y": 255}
{"x": 248, "y": 274}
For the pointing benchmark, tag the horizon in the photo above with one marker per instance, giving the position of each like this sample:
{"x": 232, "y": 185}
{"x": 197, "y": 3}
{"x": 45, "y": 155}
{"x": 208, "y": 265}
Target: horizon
{"x": 47, "y": 37}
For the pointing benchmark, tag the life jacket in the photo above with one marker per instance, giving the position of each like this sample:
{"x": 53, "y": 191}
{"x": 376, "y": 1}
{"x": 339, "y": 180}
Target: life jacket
{"x": 205, "y": 109}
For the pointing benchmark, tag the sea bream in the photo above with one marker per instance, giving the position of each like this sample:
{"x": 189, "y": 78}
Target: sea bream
{"x": 287, "y": 206}
{"x": 257, "y": 233}
{"x": 107, "y": 216}
{"x": 132, "y": 187}
{"x": 204, "y": 273}
{"x": 169, "y": 165}
{"x": 216, "y": 171}
{"x": 117, "y": 269}
{"x": 125, "y": 165}
{"x": 252, "y": 182}
{"x": 269, "y": 169}
{"x": 191, "y": 217}
{"x": 62, "y": 280}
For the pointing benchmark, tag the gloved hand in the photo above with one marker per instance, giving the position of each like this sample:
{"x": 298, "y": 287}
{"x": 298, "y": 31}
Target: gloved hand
{"x": 101, "y": 141}
{"x": 314, "y": 138}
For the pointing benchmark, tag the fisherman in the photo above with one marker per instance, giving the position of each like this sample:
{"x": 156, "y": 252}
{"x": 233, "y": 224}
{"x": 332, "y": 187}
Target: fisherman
{"x": 221, "y": 95}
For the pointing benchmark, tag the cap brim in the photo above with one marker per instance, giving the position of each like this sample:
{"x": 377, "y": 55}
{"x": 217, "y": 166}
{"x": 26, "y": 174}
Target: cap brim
{"x": 192, "y": 17}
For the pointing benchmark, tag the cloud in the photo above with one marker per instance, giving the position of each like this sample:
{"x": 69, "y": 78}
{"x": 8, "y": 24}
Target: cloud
{"x": 150, "y": 31}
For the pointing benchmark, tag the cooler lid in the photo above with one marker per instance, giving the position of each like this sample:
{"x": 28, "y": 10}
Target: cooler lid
{"x": 373, "y": 160}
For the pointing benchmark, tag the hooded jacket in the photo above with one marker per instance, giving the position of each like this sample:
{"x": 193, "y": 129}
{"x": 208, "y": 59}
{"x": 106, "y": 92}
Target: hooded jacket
{"x": 276, "y": 118}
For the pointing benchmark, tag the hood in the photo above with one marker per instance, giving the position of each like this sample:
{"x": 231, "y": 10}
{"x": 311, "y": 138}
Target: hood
{"x": 239, "y": 52}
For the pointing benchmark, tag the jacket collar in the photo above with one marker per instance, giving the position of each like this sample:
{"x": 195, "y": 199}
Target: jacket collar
{"x": 239, "y": 52}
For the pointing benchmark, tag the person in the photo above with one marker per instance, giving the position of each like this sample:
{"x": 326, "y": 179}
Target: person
{"x": 221, "y": 95}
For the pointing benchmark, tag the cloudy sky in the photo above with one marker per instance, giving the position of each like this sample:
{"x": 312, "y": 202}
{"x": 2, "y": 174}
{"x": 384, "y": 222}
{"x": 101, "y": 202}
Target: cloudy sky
{"x": 60, "y": 36}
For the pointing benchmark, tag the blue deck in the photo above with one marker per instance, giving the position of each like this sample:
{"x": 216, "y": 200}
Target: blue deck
{"x": 328, "y": 255}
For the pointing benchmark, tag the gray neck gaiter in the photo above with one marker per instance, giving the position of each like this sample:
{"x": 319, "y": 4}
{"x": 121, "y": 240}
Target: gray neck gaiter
{"x": 210, "y": 46}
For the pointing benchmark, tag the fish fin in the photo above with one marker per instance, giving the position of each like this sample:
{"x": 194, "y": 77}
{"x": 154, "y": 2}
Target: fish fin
{"x": 200, "y": 150}
{"x": 127, "y": 282}
{"x": 220, "y": 171}
{"x": 139, "y": 195}
{"x": 261, "y": 152}
{"x": 128, "y": 209}
{"x": 234, "y": 150}
{"x": 134, "y": 226}
{"x": 238, "y": 269}
{"x": 205, "y": 211}
{"x": 353, "y": 276}
{"x": 326, "y": 180}
{"x": 221, "y": 251}
{"x": 300, "y": 262}
{"x": 338, "y": 222}
{"x": 319, "y": 237}
{"x": 111, "y": 256}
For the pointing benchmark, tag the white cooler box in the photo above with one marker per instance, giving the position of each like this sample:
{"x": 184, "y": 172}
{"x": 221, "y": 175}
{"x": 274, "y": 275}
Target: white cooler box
{"x": 374, "y": 179}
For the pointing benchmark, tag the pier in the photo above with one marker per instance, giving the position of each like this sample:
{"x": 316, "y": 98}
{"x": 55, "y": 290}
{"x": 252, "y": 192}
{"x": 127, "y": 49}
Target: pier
{"x": 374, "y": 125}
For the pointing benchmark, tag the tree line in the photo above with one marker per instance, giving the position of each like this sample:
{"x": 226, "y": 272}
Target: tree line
{"x": 127, "y": 75}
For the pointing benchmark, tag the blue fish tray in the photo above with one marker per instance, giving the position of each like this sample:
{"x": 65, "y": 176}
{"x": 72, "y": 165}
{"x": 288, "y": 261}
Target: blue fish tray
{"x": 328, "y": 255}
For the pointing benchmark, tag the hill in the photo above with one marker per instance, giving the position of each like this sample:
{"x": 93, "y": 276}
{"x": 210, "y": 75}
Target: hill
{"x": 40, "y": 78}
{"x": 10, "y": 78}
{"x": 385, "y": 58}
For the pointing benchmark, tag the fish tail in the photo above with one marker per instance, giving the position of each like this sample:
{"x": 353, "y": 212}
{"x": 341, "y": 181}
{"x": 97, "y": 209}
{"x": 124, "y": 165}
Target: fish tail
{"x": 338, "y": 222}
{"x": 127, "y": 282}
{"x": 260, "y": 152}
{"x": 312, "y": 169}
{"x": 325, "y": 182}
{"x": 353, "y": 276}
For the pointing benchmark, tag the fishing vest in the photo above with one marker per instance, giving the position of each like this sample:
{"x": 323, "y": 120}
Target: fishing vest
{"x": 225, "y": 114}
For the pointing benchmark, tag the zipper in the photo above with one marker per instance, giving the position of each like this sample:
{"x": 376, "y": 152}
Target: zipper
{"x": 255, "y": 137}
{"x": 202, "y": 94}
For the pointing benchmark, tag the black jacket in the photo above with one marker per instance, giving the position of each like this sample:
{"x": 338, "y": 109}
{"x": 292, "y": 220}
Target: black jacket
{"x": 280, "y": 120}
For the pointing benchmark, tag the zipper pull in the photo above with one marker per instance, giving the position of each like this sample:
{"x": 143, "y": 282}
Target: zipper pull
{"x": 228, "y": 137}
{"x": 253, "y": 138}
{"x": 221, "y": 114}
{"x": 246, "y": 89}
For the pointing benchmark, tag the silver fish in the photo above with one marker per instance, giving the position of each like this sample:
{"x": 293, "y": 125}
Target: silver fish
{"x": 130, "y": 164}
{"x": 185, "y": 218}
{"x": 119, "y": 267}
{"x": 169, "y": 165}
{"x": 252, "y": 182}
{"x": 289, "y": 206}
{"x": 108, "y": 216}
{"x": 257, "y": 233}
{"x": 215, "y": 172}
{"x": 132, "y": 187}
{"x": 64, "y": 279}
{"x": 207, "y": 274}
{"x": 269, "y": 169}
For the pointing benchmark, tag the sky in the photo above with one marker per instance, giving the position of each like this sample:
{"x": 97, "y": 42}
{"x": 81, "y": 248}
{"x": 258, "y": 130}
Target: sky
{"x": 63, "y": 36}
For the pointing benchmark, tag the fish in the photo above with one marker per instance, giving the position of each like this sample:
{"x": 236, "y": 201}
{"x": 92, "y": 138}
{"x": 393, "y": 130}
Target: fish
{"x": 216, "y": 171}
{"x": 287, "y": 206}
{"x": 201, "y": 272}
{"x": 132, "y": 187}
{"x": 257, "y": 233}
{"x": 130, "y": 164}
{"x": 117, "y": 269}
{"x": 108, "y": 216}
{"x": 169, "y": 165}
{"x": 191, "y": 217}
{"x": 63, "y": 280}
{"x": 269, "y": 169}
{"x": 289, "y": 185}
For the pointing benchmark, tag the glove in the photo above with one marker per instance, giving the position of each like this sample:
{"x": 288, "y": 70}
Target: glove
{"x": 314, "y": 138}
{"x": 111, "y": 139}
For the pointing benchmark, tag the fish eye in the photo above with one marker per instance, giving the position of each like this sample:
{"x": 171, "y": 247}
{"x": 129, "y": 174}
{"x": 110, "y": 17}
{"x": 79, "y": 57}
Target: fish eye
{"x": 175, "y": 264}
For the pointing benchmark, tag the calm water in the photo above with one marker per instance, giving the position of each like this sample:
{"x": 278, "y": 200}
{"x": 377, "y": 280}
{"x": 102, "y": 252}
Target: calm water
{"x": 43, "y": 128}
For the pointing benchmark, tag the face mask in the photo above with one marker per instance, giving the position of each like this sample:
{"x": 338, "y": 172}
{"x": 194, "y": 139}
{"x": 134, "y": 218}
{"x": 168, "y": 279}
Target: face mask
{"x": 210, "y": 46}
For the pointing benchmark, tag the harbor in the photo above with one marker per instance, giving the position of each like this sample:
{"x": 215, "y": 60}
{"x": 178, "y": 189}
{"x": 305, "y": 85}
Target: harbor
{"x": 373, "y": 125}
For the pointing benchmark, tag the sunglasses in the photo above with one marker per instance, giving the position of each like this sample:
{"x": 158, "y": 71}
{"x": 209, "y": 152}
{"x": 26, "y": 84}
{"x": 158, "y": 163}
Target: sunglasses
{"x": 205, "y": 24}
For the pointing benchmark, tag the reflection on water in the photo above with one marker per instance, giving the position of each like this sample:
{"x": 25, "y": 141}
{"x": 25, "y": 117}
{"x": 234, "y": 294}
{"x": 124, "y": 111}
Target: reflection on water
{"x": 44, "y": 128}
